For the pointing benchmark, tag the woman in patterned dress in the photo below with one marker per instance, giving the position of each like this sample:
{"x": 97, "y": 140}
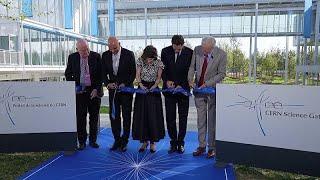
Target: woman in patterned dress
{"x": 148, "y": 121}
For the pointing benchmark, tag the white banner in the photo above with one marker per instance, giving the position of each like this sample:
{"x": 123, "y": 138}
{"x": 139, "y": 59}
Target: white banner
{"x": 37, "y": 107}
{"x": 269, "y": 115}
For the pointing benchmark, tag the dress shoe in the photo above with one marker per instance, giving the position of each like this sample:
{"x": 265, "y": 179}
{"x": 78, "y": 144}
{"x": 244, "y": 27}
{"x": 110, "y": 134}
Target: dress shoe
{"x": 153, "y": 148}
{"x": 172, "y": 149}
{"x": 115, "y": 146}
{"x": 94, "y": 144}
{"x": 81, "y": 146}
{"x": 143, "y": 147}
{"x": 123, "y": 148}
{"x": 199, "y": 151}
{"x": 211, "y": 153}
{"x": 180, "y": 149}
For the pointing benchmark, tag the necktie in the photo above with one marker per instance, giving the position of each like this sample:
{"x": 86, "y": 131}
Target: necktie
{"x": 83, "y": 71}
{"x": 203, "y": 71}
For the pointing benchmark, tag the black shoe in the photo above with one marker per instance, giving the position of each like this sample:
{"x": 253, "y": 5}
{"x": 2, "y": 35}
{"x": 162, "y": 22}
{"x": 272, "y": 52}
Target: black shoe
{"x": 81, "y": 146}
{"x": 115, "y": 146}
{"x": 211, "y": 153}
{"x": 143, "y": 147}
{"x": 180, "y": 149}
{"x": 199, "y": 151}
{"x": 152, "y": 148}
{"x": 123, "y": 148}
{"x": 94, "y": 145}
{"x": 172, "y": 149}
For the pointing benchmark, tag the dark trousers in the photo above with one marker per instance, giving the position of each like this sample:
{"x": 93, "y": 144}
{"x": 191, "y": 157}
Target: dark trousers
{"x": 123, "y": 105}
{"x": 86, "y": 105}
{"x": 171, "y": 102}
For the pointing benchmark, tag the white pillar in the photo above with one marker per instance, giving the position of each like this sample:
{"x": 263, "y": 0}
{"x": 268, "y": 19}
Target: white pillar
{"x": 250, "y": 53}
{"x": 316, "y": 37}
{"x": 255, "y": 46}
{"x": 145, "y": 26}
{"x": 287, "y": 52}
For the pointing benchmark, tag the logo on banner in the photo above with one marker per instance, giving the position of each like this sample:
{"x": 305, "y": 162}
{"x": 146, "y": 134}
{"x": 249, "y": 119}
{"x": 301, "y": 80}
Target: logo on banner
{"x": 6, "y": 103}
{"x": 264, "y": 105}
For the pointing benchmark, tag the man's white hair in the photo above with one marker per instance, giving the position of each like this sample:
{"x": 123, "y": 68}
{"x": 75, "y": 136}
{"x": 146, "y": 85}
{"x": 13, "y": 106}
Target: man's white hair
{"x": 208, "y": 39}
{"x": 82, "y": 41}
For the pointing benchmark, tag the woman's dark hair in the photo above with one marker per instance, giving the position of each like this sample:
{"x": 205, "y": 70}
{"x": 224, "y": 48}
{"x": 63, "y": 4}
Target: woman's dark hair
{"x": 149, "y": 52}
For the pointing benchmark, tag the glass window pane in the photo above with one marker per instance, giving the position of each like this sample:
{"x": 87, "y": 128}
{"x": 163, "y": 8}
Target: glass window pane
{"x": 63, "y": 50}
{"x": 173, "y": 26}
{"x": 26, "y": 46}
{"x": 46, "y": 48}
{"x": 71, "y": 46}
{"x": 205, "y": 25}
{"x": 35, "y": 47}
{"x": 215, "y": 25}
{"x": 43, "y": 11}
{"x": 140, "y": 27}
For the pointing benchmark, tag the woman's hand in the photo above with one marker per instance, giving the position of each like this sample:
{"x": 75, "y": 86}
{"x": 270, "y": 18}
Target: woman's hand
{"x": 154, "y": 86}
{"x": 142, "y": 86}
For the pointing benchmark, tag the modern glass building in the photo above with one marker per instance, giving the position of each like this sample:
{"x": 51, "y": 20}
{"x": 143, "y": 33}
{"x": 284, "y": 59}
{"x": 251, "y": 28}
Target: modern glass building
{"x": 147, "y": 21}
{"x": 37, "y": 35}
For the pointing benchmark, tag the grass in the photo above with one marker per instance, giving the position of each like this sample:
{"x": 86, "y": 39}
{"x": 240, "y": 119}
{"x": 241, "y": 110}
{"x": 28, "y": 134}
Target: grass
{"x": 277, "y": 80}
{"x": 14, "y": 165}
{"x": 104, "y": 109}
{"x": 248, "y": 173}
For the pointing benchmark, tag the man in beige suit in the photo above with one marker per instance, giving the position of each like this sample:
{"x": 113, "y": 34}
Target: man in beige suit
{"x": 208, "y": 67}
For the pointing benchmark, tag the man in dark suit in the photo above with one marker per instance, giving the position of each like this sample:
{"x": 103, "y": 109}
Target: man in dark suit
{"x": 84, "y": 67}
{"x": 176, "y": 59}
{"x": 119, "y": 70}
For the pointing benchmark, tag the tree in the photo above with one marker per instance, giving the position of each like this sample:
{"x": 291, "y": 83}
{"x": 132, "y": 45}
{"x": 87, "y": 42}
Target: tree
{"x": 292, "y": 64}
{"x": 235, "y": 44}
{"x": 12, "y": 5}
{"x": 269, "y": 65}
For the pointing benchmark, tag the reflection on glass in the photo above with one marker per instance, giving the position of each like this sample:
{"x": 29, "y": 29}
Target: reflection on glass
{"x": 46, "y": 48}
{"x": 35, "y": 47}
{"x": 26, "y": 47}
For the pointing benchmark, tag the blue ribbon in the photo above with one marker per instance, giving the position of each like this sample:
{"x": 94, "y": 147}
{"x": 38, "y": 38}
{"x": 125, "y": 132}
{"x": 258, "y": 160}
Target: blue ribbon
{"x": 155, "y": 90}
{"x": 127, "y": 90}
{"x": 205, "y": 90}
{"x": 177, "y": 90}
{"x": 139, "y": 90}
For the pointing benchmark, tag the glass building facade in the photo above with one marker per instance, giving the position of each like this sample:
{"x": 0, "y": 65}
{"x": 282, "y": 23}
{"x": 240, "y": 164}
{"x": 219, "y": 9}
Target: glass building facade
{"x": 38, "y": 35}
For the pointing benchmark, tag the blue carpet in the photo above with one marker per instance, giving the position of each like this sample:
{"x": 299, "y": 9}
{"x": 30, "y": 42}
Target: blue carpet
{"x": 102, "y": 164}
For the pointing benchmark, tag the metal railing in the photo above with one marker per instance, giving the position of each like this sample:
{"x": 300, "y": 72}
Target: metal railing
{"x": 10, "y": 57}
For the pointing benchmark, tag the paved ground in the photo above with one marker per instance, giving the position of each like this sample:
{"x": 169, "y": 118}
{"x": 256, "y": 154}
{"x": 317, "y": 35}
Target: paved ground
{"x": 192, "y": 117}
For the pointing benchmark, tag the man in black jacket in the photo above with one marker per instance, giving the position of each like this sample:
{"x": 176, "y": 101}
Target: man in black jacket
{"x": 176, "y": 59}
{"x": 84, "y": 67}
{"x": 119, "y": 70}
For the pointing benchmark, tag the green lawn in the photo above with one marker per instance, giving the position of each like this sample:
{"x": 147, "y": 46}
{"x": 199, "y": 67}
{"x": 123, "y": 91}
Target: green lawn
{"x": 276, "y": 80}
{"x": 104, "y": 109}
{"x": 15, "y": 165}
